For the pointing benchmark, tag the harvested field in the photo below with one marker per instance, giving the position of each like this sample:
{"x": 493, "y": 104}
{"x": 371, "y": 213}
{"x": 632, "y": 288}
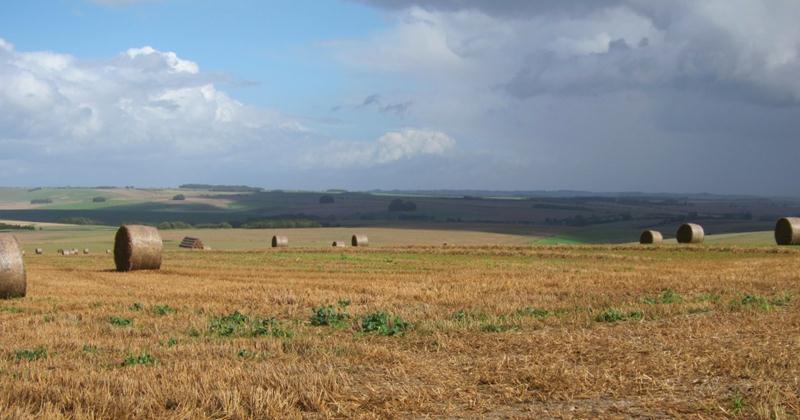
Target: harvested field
{"x": 409, "y": 331}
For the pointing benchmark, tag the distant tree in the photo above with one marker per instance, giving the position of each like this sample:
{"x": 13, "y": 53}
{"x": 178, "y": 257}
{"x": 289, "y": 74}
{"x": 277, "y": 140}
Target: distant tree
{"x": 400, "y": 205}
{"x": 99, "y": 200}
{"x": 80, "y": 221}
{"x": 41, "y": 201}
{"x": 326, "y": 199}
{"x": 179, "y": 197}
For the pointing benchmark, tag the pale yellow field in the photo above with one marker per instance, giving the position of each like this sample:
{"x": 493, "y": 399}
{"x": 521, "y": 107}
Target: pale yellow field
{"x": 503, "y": 331}
{"x": 99, "y": 239}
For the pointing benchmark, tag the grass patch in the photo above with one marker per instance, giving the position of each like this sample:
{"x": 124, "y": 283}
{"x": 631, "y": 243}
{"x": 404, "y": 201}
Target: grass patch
{"x": 120, "y": 321}
{"x": 615, "y": 315}
{"x": 329, "y": 316}
{"x": 136, "y": 307}
{"x": 162, "y": 310}
{"x": 534, "y": 313}
{"x": 462, "y": 315}
{"x": 384, "y": 324}
{"x": 87, "y": 348}
{"x": 12, "y": 309}
{"x": 31, "y": 354}
{"x": 238, "y": 324}
{"x": 737, "y": 403}
{"x": 666, "y": 297}
{"x": 143, "y": 359}
{"x": 707, "y": 297}
{"x": 497, "y": 328}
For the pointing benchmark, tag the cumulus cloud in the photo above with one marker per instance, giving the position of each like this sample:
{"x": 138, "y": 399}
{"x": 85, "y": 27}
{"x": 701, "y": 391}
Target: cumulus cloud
{"x": 141, "y": 100}
{"x": 391, "y": 147}
{"x": 153, "y": 117}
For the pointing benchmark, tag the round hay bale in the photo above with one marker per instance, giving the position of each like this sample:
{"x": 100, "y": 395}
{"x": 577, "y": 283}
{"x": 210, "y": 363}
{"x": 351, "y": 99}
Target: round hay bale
{"x": 137, "y": 247}
{"x": 13, "y": 281}
{"x": 39, "y": 251}
{"x": 787, "y": 231}
{"x": 359, "y": 240}
{"x": 279, "y": 241}
{"x": 651, "y": 237}
{"x": 338, "y": 244}
{"x": 108, "y": 251}
{"x": 86, "y": 251}
{"x": 690, "y": 233}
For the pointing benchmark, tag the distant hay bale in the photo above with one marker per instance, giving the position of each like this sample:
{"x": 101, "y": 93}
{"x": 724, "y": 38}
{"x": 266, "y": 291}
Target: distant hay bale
{"x": 108, "y": 251}
{"x": 39, "y": 251}
{"x": 787, "y": 231}
{"x": 63, "y": 252}
{"x": 13, "y": 282}
{"x": 279, "y": 241}
{"x": 690, "y": 233}
{"x": 339, "y": 244}
{"x": 359, "y": 240}
{"x": 192, "y": 243}
{"x": 86, "y": 251}
{"x": 137, "y": 247}
{"x": 651, "y": 237}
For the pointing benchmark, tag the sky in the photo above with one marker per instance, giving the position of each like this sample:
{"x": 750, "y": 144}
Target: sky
{"x": 598, "y": 95}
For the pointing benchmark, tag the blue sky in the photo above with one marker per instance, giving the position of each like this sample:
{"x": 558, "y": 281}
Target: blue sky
{"x": 275, "y": 44}
{"x": 604, "y": 95}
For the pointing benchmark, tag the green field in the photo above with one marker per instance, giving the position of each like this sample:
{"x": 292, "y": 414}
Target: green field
{"x": 100, "y": 238}
{"x": 539, "y": 220}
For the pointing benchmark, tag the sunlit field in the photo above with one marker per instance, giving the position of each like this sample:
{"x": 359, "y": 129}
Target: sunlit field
{"x": 463, "y": 331}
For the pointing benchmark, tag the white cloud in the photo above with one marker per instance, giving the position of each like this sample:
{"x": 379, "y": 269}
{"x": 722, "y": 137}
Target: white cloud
{"x": 391, "y": 147}
{"x": 146, "y": 115}
{"x": 174, "y": 64}
{"x": 143, "y": 102}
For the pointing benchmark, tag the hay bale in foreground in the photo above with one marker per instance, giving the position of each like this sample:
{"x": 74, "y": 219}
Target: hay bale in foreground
{"x": 13, "y": 282}
{"x": 359, "y": 240}
{"x": 651, "y": 237}
{"x": 39, "y": 251}
{"x": 339, "y": 244}
{"x": 192, "y": 243}
{"x": 787, "y": 231}
{"x": 690, "y": 233}
{"x": 137, "y": 247}
{"x": 279, "y": 241}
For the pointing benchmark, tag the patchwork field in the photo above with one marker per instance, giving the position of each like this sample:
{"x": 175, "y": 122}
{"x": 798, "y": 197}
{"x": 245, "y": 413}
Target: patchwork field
{"x": 100, "y": 238}
{"x": 480, "y": 331}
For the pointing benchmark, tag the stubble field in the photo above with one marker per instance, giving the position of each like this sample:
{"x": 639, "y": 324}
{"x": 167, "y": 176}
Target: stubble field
{"x": 496, "y": 331}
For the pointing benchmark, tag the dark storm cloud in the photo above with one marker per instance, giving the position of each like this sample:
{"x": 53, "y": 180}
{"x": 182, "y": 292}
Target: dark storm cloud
{"x": 607, "y": 95}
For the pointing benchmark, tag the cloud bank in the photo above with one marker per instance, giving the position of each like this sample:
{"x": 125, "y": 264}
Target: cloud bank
{"x": 151, "y": 117}
{"x": 607, "y": 95}
{"x": 390, "y": 147}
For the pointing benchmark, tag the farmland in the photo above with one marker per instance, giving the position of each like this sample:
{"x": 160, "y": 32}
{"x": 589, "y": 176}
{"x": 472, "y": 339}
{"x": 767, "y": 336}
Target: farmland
{"x": 546, "y": 218}
{"x": 496, "y": 313}
{"x": 496, "y": 331}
